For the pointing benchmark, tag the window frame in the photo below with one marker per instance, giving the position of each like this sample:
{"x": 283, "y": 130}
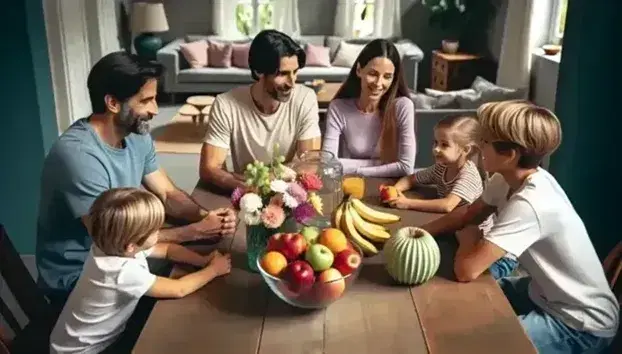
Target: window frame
{"x": 363, "y": 2}
{"x": 255, "y": 26}
{"x": 554, "y": 35}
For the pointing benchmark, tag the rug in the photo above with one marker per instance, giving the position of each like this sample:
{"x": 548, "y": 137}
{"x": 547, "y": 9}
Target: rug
{"x": 179, "y": 136}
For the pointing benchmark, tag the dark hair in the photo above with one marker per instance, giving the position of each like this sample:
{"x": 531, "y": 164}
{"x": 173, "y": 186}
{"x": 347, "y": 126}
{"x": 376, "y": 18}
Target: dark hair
{"x": 267, "y": 49}
{"x": 351, "y": 88}
{"x": 121, "y": 75}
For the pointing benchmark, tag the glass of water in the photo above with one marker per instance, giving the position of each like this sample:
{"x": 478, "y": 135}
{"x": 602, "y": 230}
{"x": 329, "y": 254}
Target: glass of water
{"x": 328, "y": 168}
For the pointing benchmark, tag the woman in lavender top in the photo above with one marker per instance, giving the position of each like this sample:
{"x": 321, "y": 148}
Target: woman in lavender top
{"x": 370, "y": 123}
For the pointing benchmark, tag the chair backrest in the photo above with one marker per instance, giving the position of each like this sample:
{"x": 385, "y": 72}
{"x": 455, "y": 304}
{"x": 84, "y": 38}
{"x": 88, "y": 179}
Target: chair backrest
{"x": 613, "y": 270}
{"x": 21, "y": 285}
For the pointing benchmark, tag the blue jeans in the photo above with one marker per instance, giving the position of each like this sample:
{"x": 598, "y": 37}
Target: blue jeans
{"x": 503, "y": 268}
{"x": 548, "y": 334}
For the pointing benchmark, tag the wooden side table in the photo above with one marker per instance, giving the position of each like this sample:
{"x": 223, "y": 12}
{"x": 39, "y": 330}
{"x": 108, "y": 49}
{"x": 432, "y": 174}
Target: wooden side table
{"x": 453, "y": 71}
{"x": 201, "y": 103}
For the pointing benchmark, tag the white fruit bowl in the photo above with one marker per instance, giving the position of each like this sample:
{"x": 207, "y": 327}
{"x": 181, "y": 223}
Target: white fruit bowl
{"x": 317, "y": 296}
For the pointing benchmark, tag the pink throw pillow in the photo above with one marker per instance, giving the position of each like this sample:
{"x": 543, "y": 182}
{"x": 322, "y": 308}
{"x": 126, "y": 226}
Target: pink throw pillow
{"x": 317, "y": 55}
{"x": 195, "y": 53}
{"x": 240, "y": 54}
{"x": 219, "y": 54}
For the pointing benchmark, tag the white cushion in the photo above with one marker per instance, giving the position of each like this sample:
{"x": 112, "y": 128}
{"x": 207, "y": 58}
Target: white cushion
{"x": 347, "y": 54}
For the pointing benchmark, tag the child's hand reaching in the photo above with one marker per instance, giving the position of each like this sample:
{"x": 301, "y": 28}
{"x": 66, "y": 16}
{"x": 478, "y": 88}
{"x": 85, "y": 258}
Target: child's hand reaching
{"x": 220, "y": 263}
{"x": 208, "y": 258}
{"x": 400, "y": 202}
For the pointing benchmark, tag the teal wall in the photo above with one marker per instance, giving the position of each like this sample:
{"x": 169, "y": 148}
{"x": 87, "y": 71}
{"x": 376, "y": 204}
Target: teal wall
{"x": 28, "y": 123}
{"x": 589, "y": 106}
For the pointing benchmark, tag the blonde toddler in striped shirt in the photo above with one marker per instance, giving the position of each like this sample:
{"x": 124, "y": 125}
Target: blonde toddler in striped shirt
{"x": 459, "y": 177}
{"x": 457, "y": 173}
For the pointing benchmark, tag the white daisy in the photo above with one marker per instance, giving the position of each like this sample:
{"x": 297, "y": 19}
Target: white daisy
{"x": 278, "y": 186}
{"x": 252, "y": 218}
{"x": 250, "y": 203}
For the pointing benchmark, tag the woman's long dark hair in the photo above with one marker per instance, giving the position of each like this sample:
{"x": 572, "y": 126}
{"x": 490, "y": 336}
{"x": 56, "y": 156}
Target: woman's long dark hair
{"x": 351, "y": 88}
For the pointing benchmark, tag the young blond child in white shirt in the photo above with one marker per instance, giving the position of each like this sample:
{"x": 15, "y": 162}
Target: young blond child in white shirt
{"x": 124, "y": 224}
{"x": 565, "y": 304}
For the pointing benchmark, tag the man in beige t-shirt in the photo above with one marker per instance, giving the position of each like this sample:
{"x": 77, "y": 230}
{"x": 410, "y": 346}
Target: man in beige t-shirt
{"x": 250, "y": 120}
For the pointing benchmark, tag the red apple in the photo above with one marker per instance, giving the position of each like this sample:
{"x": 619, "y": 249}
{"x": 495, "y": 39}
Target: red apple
{"x": 299, "y": 276}
{"x": 388, "y": 193}
{"x": 347, "y": 261}
{"x": 289, "y": 244}
{"x": 329, "y": 286}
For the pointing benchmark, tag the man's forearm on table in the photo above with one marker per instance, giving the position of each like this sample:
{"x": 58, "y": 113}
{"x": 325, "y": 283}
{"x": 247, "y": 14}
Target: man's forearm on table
{"x": 224, "y": 179}
{"x": 178, "y": 234}
{"x": 180, "y": 205}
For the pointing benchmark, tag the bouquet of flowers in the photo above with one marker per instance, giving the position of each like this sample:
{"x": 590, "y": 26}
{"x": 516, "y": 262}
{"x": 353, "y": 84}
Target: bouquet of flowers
{"x": 273, "y": 192}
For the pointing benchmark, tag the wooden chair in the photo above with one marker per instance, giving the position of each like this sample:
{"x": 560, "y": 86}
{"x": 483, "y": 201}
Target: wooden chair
{"x": 34, "y": 336}
{"x": 613, "y": 269}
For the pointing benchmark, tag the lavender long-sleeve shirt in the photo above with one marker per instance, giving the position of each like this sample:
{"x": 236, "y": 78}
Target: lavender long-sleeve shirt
{"x": 353, "y": 136}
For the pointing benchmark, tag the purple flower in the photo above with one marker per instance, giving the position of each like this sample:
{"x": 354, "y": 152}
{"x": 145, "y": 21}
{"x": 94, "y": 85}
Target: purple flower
{"x": 298, "y": 192}
{"x": 236, "y": 196}
{"x": 304, "y": 212}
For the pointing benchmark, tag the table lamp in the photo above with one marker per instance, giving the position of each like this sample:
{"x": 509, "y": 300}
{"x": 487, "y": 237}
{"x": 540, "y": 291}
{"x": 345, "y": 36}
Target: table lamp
{"x": 147, "y": 20}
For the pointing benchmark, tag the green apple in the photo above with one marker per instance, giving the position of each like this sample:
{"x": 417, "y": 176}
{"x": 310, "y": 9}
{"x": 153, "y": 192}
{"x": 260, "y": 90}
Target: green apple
{"x": 319, "y": 257}
{"x": 310, "y": 233}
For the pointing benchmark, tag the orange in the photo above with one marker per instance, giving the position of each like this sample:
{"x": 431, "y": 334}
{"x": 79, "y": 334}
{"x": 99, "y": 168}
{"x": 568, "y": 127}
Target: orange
{"x": 354, "y": 186}
{"x": 273, "y": 263}
{"x": 334, "y": 239}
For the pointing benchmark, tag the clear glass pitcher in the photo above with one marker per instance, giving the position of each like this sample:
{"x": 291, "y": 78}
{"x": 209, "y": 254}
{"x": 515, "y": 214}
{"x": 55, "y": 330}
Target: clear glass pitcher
{"x": 330, "y": 170}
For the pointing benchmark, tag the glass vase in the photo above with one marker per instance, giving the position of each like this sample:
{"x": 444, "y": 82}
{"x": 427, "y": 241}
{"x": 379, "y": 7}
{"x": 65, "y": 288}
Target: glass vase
{"x": 330, "y": 170}
{"x": 257, "y": 239}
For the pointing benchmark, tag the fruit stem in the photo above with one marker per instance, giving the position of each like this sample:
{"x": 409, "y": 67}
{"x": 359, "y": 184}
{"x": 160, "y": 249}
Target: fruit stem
{"x": 416, "y": 232}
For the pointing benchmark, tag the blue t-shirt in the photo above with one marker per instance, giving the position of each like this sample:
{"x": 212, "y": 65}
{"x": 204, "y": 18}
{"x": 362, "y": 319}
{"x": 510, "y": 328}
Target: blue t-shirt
{"x": 79, "y": 167}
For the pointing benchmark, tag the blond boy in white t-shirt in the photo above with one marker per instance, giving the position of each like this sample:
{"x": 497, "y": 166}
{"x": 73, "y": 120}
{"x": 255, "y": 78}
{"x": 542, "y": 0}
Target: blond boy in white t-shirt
{"x": 565, "y": 305}
{"x": 124, "y": 224}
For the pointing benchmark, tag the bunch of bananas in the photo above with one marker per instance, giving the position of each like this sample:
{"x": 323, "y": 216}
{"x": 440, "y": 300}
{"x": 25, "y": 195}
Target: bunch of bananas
{"x": 363, "y": 224}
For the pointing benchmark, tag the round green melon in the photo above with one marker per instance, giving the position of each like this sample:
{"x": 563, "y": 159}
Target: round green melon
{"x": 412, "y": 256}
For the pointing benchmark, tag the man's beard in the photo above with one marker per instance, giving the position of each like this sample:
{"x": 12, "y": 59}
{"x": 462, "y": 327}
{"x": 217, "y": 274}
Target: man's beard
{"x": 128, "y": 121}
{"x": 278, "y": 94}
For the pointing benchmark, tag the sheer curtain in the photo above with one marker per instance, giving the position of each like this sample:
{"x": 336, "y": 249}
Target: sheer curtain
{"x": 286, "y": 17}
{"x": 526, "y": 28}
{"x": 344, "y": 18}
{"x": 387, "y": 18}
{"x": 223, "y": 18}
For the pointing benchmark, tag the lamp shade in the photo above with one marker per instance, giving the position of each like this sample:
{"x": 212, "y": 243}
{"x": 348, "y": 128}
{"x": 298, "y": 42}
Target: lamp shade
{"x": 148, "y": 17}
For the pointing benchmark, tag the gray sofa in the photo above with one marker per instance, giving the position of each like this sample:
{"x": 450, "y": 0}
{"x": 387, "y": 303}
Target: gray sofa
{"x": 179, "y": 77}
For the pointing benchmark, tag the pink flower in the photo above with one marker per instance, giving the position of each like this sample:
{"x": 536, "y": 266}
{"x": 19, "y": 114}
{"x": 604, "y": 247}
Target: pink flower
{"x": 277, "y": 200}
{"x": 297, "y": 191}
{"x": 236, "y": 196}
{"x": 272, "y": 216}
{"x": 310, "y": 181}
{"x": 304, "y": 212}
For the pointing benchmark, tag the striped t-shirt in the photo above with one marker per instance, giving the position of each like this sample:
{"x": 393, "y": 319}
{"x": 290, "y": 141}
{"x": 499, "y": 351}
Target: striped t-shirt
{"x": 467, "y": 184}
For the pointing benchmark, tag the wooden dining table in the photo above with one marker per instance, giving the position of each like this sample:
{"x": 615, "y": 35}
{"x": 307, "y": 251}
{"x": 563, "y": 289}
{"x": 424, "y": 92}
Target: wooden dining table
{"x": 238, "y": 314}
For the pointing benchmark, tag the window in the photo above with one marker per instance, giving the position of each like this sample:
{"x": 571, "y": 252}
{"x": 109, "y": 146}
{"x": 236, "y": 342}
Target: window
{"x": 559, "y": 20}
{"x": 363, "y": 22}
{"x": 253, "y": 16}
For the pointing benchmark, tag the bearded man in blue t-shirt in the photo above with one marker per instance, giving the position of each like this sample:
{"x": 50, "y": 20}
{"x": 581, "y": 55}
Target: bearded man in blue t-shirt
{"x": 110, "y": 148}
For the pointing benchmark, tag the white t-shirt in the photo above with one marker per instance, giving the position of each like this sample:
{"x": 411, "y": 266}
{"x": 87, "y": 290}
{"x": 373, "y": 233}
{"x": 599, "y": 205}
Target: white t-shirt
{"x": 103, "y": 299}
{"x": 236, "y": 124}
{"x": 540, "y": 226}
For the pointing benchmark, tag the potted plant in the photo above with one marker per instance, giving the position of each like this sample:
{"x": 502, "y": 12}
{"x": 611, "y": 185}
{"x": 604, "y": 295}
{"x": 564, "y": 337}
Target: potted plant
{"x": 450, "y": 17}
